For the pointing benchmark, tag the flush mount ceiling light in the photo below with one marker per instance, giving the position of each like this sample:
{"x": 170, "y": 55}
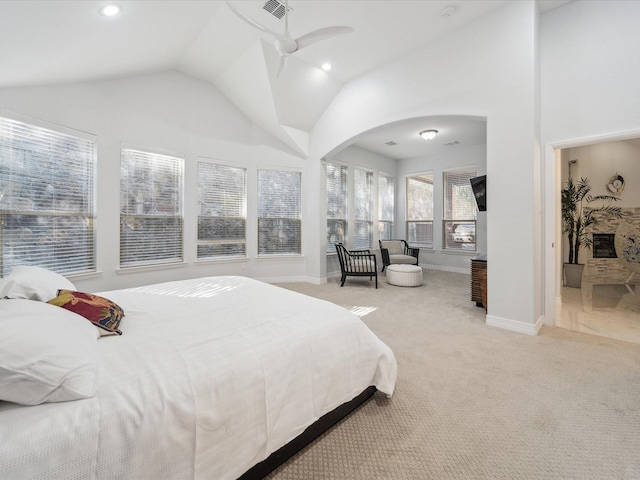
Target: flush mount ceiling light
{"x": 110, "y": 10}
{"x": 428, "y": 134}
{"x": 448, "y": 11}
{"x": 326, "y": 66}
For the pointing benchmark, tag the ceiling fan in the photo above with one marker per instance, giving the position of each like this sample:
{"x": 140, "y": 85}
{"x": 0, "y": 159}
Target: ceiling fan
{"x": 285, "y": 44}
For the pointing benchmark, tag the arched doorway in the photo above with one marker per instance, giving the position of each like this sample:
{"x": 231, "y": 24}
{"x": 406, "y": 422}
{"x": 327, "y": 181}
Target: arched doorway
{"x": 397, "y": 150}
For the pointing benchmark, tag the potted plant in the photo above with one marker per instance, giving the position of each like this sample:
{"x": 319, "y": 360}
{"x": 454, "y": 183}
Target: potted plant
{"x": 578, "y": 216}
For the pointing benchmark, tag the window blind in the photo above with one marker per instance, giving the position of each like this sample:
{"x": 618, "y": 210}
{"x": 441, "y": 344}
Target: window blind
{"x": 420, "y": 210}
{"x": 151, "y": 223}
{"x": 336, "y": 185}
{"x": 385, "y": 207}
{"x": 279, "y": 212}
{"x": 47, "y": 202}
{"x": 222, "y": 207}
{"x": 460, "y": 212}
{"x": 363, "y": 188}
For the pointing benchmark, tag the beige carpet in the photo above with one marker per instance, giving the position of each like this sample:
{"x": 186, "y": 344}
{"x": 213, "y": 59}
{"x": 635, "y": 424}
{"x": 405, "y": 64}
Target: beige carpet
{"x": 475, "y": 402}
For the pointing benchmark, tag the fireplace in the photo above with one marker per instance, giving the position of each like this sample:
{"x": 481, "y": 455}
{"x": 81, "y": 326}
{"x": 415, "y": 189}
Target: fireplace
{"x": 604, "y": 245}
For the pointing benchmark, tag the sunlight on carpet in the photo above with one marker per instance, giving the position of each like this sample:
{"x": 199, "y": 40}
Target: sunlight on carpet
{"x": 361, "y": 311}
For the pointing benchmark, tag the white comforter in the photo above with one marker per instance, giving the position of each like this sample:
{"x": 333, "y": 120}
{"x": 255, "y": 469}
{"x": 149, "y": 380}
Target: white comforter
{"x": 209, "y": 377}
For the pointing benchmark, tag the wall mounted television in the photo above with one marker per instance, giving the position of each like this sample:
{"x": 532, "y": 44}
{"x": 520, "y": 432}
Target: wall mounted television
{"x": 479, "y": 187}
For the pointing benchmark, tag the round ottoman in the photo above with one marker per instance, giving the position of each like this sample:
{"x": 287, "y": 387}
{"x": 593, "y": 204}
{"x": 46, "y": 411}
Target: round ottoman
{"x": 404, "y": 275}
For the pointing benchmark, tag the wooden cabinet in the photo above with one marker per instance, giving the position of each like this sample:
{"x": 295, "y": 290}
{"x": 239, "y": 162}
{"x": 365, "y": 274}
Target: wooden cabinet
{"x": 479, "y": 281}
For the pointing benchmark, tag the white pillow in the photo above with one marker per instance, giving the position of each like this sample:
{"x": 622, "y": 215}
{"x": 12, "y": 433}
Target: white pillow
{"x": 35, "y": 283}
{"x": 47, "y": 353}
{"x": 5, "y": 287}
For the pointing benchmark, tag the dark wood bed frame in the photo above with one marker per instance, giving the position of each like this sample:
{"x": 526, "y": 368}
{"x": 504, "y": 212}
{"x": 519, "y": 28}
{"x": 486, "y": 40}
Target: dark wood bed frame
{"x": 312, "y": 432}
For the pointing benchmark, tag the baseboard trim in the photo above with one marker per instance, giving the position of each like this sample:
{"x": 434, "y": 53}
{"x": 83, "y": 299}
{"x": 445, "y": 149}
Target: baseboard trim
{"x": 444, "y": 268}
{"x": 515, "y": 325}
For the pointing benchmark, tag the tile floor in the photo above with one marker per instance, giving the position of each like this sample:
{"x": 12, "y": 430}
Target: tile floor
{"x": 611, "y": 310}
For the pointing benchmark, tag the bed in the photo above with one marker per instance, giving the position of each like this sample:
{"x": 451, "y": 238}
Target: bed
{"x": 208, "y": 379}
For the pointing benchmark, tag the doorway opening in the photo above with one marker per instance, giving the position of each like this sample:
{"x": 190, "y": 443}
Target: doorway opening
{"x": 607, "y": 301}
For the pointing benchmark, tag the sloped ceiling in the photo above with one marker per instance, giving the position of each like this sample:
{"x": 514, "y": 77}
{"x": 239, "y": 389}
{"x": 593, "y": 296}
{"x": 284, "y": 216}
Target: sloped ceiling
{"x": 57, "y": 41}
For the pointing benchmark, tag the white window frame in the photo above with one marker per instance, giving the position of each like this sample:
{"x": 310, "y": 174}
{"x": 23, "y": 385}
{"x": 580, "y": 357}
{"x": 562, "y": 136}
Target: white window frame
{"x": 54, "y": 213}
{"x": 337, "y": 211}
{"x": 419, "y": 219}
{"x": 459, "y": 221}
{"x": 386, "y": 207}
{"x": 268, "y": 219}
{"x": 363, "y": 208}
{"x": 221, "y": 207}
{"x": 142, "y": 212}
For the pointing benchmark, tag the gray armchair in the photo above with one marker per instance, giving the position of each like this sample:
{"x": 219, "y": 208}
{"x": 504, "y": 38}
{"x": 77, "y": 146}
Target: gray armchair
{"x": 356, "y": 263}
{"x": 397, "y": 251}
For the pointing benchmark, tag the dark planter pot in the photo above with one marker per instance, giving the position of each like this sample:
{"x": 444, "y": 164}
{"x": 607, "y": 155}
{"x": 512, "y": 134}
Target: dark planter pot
{"x": 573, "y": 274}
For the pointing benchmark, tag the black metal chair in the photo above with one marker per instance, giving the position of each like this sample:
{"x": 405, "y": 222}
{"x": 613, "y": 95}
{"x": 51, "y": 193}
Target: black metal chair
{"x": 356, "y": 263}
{"x": 397, "y": 251}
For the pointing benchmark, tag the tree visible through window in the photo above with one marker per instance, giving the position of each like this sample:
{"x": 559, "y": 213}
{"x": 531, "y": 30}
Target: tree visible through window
{"x": 279, "y": 212}
{"x": 336, "y": 182}
{"x": 363, "y": 186}
{"x": 385, "y": 207}
{"x": 151, "y": 221}
{"x": 47, "y": 207}
{"x": 222, "y": 210}
{"x": 460, "y": 212}
{"x": 420, "y": 210}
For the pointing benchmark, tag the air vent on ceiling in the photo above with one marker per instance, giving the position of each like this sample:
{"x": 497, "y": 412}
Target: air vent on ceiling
{"x": 391, "y": 143}
{"x": 275, "y": 8}
{"x": 451, "y": 144}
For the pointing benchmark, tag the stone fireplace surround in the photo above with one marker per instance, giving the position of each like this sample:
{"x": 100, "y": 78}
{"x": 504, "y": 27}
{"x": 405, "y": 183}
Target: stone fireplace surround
{"x": 609, "y": 270}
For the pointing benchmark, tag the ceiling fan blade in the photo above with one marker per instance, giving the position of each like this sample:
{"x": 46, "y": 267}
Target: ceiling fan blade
{"x": 321, "y": 34}
{"x": 252, "y": 22}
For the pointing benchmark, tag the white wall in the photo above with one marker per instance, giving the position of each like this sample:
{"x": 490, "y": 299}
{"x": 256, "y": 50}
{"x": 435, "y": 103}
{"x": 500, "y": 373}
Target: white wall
{"x": 436, "y": 164}
{"x": 601, "y": 161}
{"x": 173, "y": 113}
{"x": 589, "y": 94}
{"x": 486, "y": 70}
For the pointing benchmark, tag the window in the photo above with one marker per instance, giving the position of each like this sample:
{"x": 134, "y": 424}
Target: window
{"x": 222, "y": 210}
{"x": 150, "y": 208}
{"x": 385, "y": 207}
{"x": 279, "y": 217}
{"x": 47, "y": 204}
{"x": 363, "y": 187}
{"x": 459, "y": 220}
{"x": 420, "y": 210}
{"x": 336, "y": 205}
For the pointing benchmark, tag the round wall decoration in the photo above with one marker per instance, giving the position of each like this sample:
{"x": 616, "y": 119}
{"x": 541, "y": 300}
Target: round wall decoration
{"x": 616, "y": 184}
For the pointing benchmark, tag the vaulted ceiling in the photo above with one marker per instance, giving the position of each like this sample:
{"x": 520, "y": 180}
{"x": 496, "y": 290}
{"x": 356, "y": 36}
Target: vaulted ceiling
{"x": 57, "y": 41}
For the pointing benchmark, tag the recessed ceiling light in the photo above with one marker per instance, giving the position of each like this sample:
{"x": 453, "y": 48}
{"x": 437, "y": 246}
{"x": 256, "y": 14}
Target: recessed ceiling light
{"x": 326, "y": 66}
{"x": 110, "y": 10}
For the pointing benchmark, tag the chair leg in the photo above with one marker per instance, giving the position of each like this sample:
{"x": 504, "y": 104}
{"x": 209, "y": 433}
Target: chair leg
{"x": 344, "y": 277}
{"x": 376, "y": 281}
{"x": 383, "y": 267}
